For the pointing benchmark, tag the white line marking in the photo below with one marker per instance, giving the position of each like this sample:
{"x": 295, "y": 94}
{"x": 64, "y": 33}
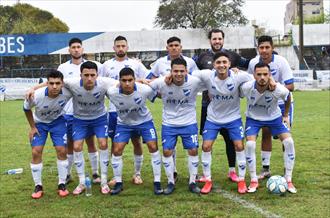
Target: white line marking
{"x": 245, "y": 203}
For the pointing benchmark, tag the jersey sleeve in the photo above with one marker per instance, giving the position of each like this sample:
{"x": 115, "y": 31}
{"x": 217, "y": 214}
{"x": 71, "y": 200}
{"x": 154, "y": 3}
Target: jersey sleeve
{"x": 150, "y": 93}
{"x": 281, "y": 92}
{"x": 251, "y": 66}
{"x": 244, "y": 77}
{"x": 142, "y": 71}
{"x": 193, "y": 66}
{"x": 28, "y": 104}
{"x": 69, "y": 83}
{"x": 157, "y": 84}
{"x": 287, "y": 75}
{"x": 243, "y": 90}
{"x": 154, "y": 72}
{"x": 109, "y": 82}
{"x": 67, "y": 93}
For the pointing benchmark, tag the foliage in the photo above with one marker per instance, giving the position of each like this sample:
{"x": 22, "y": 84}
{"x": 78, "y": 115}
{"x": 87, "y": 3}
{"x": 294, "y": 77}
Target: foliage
{"x": 311, "y": 175}
{"x": 26, "y": 19}
{"x": 315, "y": 19}
{"x": 206, "y": 14}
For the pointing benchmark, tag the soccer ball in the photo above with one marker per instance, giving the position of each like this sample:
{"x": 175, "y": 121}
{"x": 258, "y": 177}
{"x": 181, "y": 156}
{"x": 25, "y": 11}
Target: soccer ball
{"x": 277, "y": 185}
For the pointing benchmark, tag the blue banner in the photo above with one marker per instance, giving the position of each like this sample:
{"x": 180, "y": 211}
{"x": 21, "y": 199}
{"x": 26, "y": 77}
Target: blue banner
{"x": 38, "y": 44}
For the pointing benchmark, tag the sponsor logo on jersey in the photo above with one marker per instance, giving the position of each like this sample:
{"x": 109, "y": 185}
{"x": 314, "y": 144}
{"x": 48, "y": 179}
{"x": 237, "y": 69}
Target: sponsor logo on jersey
{"x": 46, "y": 106}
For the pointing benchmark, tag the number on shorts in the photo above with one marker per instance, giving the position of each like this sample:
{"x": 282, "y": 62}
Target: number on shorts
{"x": 194, "y": 139}
{"x": 153, "y": 133}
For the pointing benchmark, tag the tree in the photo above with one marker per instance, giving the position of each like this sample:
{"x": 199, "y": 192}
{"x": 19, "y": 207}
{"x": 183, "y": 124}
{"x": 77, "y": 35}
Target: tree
{"x": 26, "y": 19}
{"x": 206, "y": 14}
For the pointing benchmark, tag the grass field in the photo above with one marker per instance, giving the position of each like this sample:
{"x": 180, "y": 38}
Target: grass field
{"x": 311, "y": 176}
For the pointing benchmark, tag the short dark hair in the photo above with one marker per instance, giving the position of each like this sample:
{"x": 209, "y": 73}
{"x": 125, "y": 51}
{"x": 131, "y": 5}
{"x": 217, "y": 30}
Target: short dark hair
{"x": 173, "y": 39}
{"x": 126, "y": 71}
{"x": 55, "y": 74}
{"x": 265, "y": 38}
{"x": 261, "y": 65}
{"x": 75, "y": 40}
{"x": 179, "y": 61}
{"x": 88, "y": 65}
{"x": 119, "y": 38}
{"x": 215, "y": 31}
{"x": 220, "y": 54}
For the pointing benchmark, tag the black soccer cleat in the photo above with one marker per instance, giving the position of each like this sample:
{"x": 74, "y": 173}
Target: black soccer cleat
{"x": 169, "y": 189}
{"x": 158, "y": 189}
{"x": 117, "y": 188}
{"x": 194, "y": 188}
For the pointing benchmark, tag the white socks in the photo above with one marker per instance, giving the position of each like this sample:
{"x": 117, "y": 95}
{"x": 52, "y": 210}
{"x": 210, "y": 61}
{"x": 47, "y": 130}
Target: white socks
{"x": 62, "y": 168}
{"x": 70, "y": 163}
{"x": 241, "y": 163}
{"x": 193, "y": 168}
{"x": 207, "y": 161}
{"x": 265, "y": 158}
{"x": 169, "y": 168}
{"x": 117, "y": 167}
{"x": 289, "y": 157}
{"x": 251, "y": 158}
{"x": 80, "y": 165}
{"x": 36, "y": 170}
{"x": 138, "y": 160}
{"x": 174, "y": 159}
{"x": 94, "y": 160}
{"x": 104, "y": 163}
{"x": 156, "y": 165}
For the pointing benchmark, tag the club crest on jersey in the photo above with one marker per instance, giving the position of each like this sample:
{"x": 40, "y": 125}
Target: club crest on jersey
{"x": 230, "y": 86}
{"x": 138, "y": 100}
{"x": 97, "y": 94}
{"x": 273, "y": 71}
{"x": 186, "y": 92}
{"x": 268, "y": 99}
{"x": 61, "y": 103}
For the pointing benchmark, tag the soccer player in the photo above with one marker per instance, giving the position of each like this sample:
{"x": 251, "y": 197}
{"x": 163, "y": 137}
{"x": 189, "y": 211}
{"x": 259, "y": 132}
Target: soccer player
{"x": 263, "y": 111}
{"x": 89, "y": 115}
{"x": 179, "y": 120}
{"x": 111, "y": 69}
{"x": 48, "y": 118}
{"x": 162, "y": 67}
{"x": 134, "y": 119}
{"x": 71, "y": 69}
{"x": 205, "y": 61}
{"x": 281, "y": 72}
{"x": 223, "y": 112}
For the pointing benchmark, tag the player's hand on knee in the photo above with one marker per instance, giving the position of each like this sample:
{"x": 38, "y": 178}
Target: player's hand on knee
{"x": 33, "y": 132}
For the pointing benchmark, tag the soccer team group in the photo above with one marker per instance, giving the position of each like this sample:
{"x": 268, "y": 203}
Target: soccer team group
{"x": 71, "y": 107}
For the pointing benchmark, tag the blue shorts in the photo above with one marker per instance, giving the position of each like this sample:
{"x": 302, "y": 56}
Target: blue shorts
{"x": 69, "y": 121}
{"x": 189, "y": 136}
{"x": 83, "y": 128}
{"x": 146, "y": 130}
{"x": 56, "y": 129}
{"x": 235, "y": 129}
{"x": 112, "y": 123}
{"x": 290, "y": 111}
{"x": 276, "y": 126}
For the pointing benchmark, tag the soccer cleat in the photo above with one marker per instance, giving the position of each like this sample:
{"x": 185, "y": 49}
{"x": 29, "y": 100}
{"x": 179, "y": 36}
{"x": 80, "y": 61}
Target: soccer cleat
{"x": 233, "y": 176}
{"x": 117, "y": 188}
{"x": 253, "y": 186}
{"x": 105, "y": 189}
{"x": 37, "y": 192}
{"x": 158, "y": 189}
{"x": 68, "y": 179}
{"x": 291, "y": 188}
{"x": 201, "y": 179}
{"x": 265, "y": 173}
{"x": 176, "y": 177}
{"x": 79, "y": 189}
{"x": 137, "y": 180}
{"x": 169, "y": 189}
{"x": 194, "y": 188}
{"x": 241, "y": 187}
{"x": 96, "y": 178}
{"x": 112, "y": 182}
{"x": 62, "y": 191}
{"x": 207, "y": 187}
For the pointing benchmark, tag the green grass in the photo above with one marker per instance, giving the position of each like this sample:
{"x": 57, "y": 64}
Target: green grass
{"x": 311, "y": 132}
